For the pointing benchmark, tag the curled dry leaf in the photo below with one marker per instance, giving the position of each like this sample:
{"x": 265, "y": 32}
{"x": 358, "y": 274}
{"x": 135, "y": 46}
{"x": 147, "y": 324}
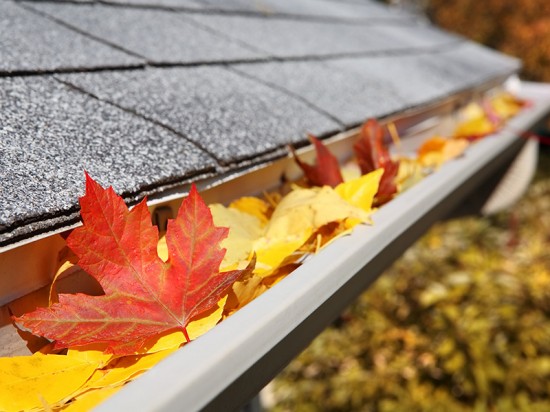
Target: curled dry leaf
{"x": 325, "y": 171}
{"x": 243, "y": 292}
{"x": 372, "y": 154}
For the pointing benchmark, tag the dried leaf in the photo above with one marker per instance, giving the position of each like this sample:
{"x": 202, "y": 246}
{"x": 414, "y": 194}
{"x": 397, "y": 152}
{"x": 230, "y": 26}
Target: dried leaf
{"x": 66, "y": 265}
{"x": 26, "y": 382}
{"x": 325, "y": 171}
{"x": 205, "y": 321}
{"x": 305, "y": 210}
{"x": 144, "y": 296}
{"x": 410, "y": 172}
{"x": 243, "y": 292}
{"x": 360, "y": 192}
{"x": 372, "y": 154}
{"x": 244, "y": 229}
{"x": 253, "y": 206}
{"x": 299, "y": 214}
{"x": 125, "y": 369}
{"x": 438, "y": 150}
{"x": 89, "y": 399}
{"x": 476, "y": 123}
{"x": 273, "y": 250}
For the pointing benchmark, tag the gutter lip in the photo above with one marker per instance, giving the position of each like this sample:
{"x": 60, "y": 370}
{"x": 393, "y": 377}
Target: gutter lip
{"x": 229, "y": 364}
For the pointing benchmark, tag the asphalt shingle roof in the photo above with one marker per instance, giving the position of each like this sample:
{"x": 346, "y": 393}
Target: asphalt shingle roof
{"x": 150, "y": 94}
{"x": 31, "y": 43}
{"x": 217, "y": 109}
{"x": 141, "y": 31}
{"x": 50, "y": 133}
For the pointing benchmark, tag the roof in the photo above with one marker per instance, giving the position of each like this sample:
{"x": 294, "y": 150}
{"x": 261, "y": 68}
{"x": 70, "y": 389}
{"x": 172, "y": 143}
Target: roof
{"x": 147, "y": 95}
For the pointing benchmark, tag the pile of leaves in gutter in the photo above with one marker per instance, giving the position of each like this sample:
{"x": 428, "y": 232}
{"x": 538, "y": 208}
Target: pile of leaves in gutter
{"x": 460, "y": 323}
{"x": 157, "y": 291}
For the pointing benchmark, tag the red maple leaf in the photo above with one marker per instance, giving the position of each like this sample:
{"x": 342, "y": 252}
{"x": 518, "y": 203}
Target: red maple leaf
{"x": 325, "y": 171}
{"x": 372, "y": 154}
{"x": 144, "y": 296}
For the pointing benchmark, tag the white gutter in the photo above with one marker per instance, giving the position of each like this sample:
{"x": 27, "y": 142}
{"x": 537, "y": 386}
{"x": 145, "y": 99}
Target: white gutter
{"x": 227, "y": 366}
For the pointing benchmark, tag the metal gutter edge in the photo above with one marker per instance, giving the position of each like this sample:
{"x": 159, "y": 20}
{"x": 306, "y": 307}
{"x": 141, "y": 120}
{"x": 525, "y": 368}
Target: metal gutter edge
{"x": 227, "y": 366}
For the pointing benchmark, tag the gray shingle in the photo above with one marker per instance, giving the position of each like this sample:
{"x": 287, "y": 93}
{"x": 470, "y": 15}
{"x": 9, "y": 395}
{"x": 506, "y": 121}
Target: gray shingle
{"x": 50, "y": 134}
{"x": 421, "y": 79}
{"x": 471, "y": 64}
{"x": 347, "y": 95}
{"x": 32, "y": 43}
{"x": 352, "y": 90}
{"x": 295, "y": 38}
{"x": 227, "y": 114}
{"x": 160, "y": 36}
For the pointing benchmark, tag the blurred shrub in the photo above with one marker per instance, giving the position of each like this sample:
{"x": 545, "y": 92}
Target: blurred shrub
{"x": 459, "y": 323}
{"x": 518, "y": 27}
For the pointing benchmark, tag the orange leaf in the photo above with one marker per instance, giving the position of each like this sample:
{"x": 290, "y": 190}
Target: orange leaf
{"x": 144, "y": 296}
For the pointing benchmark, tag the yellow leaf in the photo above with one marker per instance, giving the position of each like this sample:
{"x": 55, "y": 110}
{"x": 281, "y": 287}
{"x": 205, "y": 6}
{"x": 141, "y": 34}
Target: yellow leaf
{"x": 89, "y": 399}
{"x": 506, "y": 105}
{"x": 279, "y": 275}
{"x": 125, "y": 369}
{"x": 410, "y": 172}
{"x": 305, "y": 210}
{"x": 438, "y": 150}
{"x": 475, "y": 123}
{"x": 272, "y": 252}
{"x": 298, "y": 215}
{"x": 206, "y": 321}
{"x": 27, "y": 381}
{"x": 66, "y": 265}
{"x": 244, "y": 229}
{"x": 253, "y": 206}
{"x": 243, "y": 292}
{"x": 167, "y": 340}
{"x": 92, "y": 353}
{"x": 360, "y": 191}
